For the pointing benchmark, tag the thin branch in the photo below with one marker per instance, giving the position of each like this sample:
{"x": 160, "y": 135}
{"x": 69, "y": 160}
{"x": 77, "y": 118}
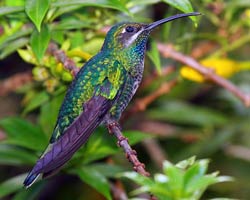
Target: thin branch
{"x": 130, "y": 153}
{"x": 238, "y": 151}
{"x": 165, "y": 71}
{"x": 118, "y": 192}
{"x": 168, "y": 51}
{"x": 14, "y": 82}
{"x": 60, "y": 55}
{"x": 153, "y": 148}
{"x": 142, "y": 103}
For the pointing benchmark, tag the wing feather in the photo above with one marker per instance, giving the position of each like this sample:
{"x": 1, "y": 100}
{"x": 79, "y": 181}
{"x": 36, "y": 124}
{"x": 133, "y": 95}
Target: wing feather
{"x": 75, "y": 136}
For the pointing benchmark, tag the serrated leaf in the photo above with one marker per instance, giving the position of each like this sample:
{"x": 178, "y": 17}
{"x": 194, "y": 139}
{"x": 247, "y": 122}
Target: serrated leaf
{"x": 36, "y": 10}
{"x": 94, "y": 179}
{"x": 22, "y": 133}
{"x": 11, "y": 185}
{"x": 39, "y": 42}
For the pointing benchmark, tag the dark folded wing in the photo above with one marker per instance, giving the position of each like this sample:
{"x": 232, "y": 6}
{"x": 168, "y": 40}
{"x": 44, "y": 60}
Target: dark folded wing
{"x": 76, "y": 135}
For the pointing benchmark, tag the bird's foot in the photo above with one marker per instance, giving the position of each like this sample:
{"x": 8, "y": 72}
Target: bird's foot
{"x": 138, "y": 166}
{"x": 121, "y": 139}
{"x": 111, "y": 125}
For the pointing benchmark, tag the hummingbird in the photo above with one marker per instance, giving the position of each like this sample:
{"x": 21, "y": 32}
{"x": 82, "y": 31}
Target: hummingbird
{"x": 99, "y": 93}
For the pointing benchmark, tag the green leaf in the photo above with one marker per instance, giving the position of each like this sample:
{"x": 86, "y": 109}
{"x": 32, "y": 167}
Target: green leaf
{"x": 11, "y": 185}
{"x": 18, "y": 33}
{"x": 176, "y": 178}
{"x": 138, "y": 178}
{"x": 95, "y": 179}
{"x": 186, "y": 163}
{"x": 180, "y": 112}
{"x": 36, "y": 101}
{"x": 12, "y": 155}
{"x": 100, "y": 145}
{"x": 136, "y": 136}
{"x": 194, "y": 173}
{"x": 10, "y": 10}
{"x": 154, "y": 56}
{"x": 183, "y": 5}
{"x": 39, "y": 42}
{"x": 30, "y": 193}
{"x": 67, "y": 24}
{"x": 114, "y": 4}
{"x": 107, "y": 170}
{"x": 23, "y": 133}
{"x": 49, "y": 112}
{"x": 36, "y": 10}
{"x": 14, "y": 3}
{"x": 12, "y": 47}
{"x": 131, "y": 4}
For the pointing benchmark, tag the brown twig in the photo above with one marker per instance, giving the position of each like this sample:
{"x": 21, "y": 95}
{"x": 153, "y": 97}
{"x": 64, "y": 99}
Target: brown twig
{"x": 155, "y": 75}
{"x": 130, "y": 153}
{"x": 14, "y": 82}
{"x": 142, "y": 103}
{"x": 153, "y": 148}
{"x": 203, "y": 49}
{"x": 118, "y": 192}
{"x": 238, "y": 151}
{"x": 168, "y": 51}
{"x": 60, "y": 55}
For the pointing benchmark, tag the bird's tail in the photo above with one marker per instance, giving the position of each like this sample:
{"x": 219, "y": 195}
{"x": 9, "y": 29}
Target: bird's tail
{"x": 30, "y": 179}
{"x": 58, "y": 153}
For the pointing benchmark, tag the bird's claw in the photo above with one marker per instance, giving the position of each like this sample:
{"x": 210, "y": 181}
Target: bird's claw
{"x": 121, "y": 139}
{"x": 111, "y": 125}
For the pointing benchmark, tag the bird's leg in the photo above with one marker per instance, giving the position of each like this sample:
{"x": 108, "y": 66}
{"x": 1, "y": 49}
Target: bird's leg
{"x": 112, "y": 124}
{"x": 114, "y": 128}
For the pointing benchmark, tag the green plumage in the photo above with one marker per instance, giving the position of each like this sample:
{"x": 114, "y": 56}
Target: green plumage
{"x": 116, "y": 68}
{"x": 99, "y": 93}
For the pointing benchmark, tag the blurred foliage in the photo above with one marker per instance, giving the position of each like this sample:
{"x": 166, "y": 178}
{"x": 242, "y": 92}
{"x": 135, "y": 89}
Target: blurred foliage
{"x": 230, "y": 67}
{"x": 207, "y": 121}
{"x": 185, "y": 180}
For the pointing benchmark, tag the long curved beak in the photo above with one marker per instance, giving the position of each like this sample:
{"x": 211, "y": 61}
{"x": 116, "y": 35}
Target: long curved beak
{"x": 162, "y": 21}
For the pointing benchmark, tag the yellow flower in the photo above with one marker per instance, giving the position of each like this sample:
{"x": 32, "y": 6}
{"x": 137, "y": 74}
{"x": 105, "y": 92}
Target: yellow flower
{"x": 222, "y": 67}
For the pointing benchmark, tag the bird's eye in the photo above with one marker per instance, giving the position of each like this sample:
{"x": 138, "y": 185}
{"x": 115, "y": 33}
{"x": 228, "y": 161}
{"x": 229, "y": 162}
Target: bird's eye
{"x": 130, "y": 29}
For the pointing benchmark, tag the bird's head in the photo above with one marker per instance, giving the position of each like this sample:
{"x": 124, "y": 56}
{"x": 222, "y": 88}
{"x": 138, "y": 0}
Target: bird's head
{"x": 129, "y": 34}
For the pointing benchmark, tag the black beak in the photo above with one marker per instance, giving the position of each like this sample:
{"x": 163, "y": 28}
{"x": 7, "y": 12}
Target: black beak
{"x": 162, "y": 21}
